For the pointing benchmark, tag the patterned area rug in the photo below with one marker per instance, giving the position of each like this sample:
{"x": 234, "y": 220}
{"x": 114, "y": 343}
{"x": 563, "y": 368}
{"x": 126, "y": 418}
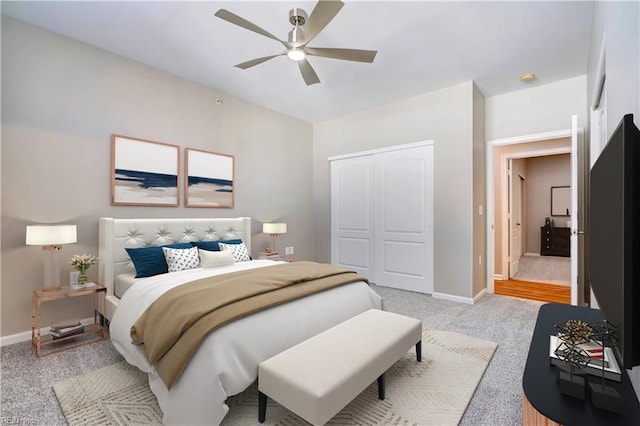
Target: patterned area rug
{"x": 433, "y": 392}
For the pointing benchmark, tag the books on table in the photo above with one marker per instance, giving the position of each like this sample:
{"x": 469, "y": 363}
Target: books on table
{"x": 274, "y": 255}
{"x": 598, "y": 359}
{"x": 66, "y": 328}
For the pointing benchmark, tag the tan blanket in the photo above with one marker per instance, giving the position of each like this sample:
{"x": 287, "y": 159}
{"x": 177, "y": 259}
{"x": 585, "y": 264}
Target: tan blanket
{"x": 172, "y": 328}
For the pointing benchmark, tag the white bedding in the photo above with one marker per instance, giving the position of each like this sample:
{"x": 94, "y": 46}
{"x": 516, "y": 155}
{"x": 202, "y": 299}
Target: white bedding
{"x": 124, "y": 282}
{"x": 227, "y": 361}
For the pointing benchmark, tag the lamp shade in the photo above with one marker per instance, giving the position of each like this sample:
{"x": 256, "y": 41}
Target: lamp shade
{"x": 274, "y": 228}
{"x": 51, "y": 235}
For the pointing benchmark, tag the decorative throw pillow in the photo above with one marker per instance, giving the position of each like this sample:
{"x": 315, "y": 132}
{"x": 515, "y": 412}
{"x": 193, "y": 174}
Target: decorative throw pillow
{"x": 213, "y": 259}
{"x": 150, "y": 261}
{"x": 213, "y": 245}
{"x": 240, "y": 252}
{"x": 181, "y": 259}
{"x": 206, "y": 245}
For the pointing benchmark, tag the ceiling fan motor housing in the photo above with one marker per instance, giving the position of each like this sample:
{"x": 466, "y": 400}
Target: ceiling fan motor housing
{"x": 297, "y": 16}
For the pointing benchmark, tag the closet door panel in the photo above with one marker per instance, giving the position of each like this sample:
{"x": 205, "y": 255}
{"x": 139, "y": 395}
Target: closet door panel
{"x": 352, "y": 214}
{"x": 404, "y": 258}
{"x": 404, "y": 219}
{"x": 403, "y": 195}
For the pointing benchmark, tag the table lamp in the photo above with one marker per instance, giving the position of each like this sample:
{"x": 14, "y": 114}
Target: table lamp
{"x": 274, "y": 229}
{"x": 51, "y": 238}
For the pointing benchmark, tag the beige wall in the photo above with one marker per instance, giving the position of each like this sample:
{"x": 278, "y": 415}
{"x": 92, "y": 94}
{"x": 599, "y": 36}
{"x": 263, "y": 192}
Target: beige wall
{"x": 542, "y": 174}
{"x": 479, "y": 194}
{"x": 539, "y": 109}
{"x": 62, "y": 100}
{"x": 444, "y": 116}
{"x": 500, "y": 248}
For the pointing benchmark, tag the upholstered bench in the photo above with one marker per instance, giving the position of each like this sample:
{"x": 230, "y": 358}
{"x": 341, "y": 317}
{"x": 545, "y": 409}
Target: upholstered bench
{"x": 320, "y": 376}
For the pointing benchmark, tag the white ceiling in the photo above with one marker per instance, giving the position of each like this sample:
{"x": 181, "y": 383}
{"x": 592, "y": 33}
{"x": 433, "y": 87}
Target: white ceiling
{"x": 422, "y": 46}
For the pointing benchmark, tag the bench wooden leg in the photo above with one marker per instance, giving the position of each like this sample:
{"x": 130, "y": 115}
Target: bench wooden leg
{"x": 381, "y": 387}
{"x": 419, "y": 351}
{"x": 262, "y": 407}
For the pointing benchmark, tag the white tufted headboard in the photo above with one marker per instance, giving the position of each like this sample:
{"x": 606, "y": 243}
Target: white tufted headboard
{"x": 117, "y": 234}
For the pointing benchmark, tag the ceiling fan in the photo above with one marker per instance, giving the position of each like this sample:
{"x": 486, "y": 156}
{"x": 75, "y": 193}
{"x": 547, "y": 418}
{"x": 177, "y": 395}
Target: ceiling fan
{"x": 305, "y": 29}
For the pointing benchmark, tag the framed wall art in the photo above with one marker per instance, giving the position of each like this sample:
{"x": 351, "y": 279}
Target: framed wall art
{"x": 144, "y": 173}
{"x": 208, "y": 179}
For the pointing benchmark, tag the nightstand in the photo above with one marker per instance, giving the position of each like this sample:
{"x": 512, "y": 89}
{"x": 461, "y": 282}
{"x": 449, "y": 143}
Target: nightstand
{"x": 96, "y": 331}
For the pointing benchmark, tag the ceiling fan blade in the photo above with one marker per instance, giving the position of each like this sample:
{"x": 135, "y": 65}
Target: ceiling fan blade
{"x": 344, "y": 54}
{"x": 257, "y": 61}
{"x": 241, "y": 22}
{"x": 321, "y": 15}
{"x": 309, "y": 75}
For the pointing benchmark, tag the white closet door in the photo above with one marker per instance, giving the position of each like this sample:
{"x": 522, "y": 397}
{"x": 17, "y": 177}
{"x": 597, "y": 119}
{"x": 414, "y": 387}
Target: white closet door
{"x": 352, "y": 214}
{"x": 404, "y": 219}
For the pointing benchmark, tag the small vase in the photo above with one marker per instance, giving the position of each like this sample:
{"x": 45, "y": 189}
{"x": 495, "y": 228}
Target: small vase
{"x": 82, "y": 278}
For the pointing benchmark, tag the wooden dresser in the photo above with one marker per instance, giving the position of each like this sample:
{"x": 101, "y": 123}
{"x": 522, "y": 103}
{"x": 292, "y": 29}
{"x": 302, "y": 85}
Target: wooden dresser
{"x": 555, "y": 241}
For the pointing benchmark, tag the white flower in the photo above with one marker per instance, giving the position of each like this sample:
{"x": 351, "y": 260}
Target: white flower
{"x": 82, "y": 261}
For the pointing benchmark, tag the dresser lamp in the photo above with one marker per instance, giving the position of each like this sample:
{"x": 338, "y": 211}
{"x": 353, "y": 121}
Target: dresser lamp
{"x": 51, "y": 238}
{"x": 274, "y": 229}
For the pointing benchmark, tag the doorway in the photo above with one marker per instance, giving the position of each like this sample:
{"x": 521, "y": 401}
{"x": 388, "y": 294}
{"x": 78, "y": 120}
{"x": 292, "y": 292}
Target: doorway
{"x": 532, "y": 269}
{"x": 500, "y": 241}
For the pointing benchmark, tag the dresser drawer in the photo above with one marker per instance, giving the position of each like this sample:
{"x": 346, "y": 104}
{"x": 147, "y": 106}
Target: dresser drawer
{"x": 555, "y": 241}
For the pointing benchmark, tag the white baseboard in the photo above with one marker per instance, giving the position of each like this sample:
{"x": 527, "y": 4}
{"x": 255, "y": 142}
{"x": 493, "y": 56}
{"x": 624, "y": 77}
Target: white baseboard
{"x": 479, "y": 295}
{"x": 25, "y": 336}
{"x": 497, "y": 277}
{"x": 532, "y": 254}
{"x": 452, "y": 298}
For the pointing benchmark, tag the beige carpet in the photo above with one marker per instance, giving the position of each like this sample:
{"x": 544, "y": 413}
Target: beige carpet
{"x": 433, "y": 392}
{"x": 548, "y": 269}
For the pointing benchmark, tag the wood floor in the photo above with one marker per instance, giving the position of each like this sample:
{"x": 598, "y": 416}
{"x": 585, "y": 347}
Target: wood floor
{"x": 533, "y": 290}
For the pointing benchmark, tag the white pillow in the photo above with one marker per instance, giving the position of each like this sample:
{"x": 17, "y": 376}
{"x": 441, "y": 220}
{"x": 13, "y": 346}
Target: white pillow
{"x": 240, "y": 252}
{"x": 181, "y": 259}
{"x": 213, "y": 259}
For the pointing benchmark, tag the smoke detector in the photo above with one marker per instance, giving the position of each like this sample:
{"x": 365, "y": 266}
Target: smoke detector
{"x": 528, "y": 77}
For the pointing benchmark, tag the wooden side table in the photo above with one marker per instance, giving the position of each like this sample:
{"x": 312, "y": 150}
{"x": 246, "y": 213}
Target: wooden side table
{"x": 41, "y": 296}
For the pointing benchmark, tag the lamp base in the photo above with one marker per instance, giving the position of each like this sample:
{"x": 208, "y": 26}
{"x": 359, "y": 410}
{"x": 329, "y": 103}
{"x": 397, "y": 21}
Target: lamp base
{"x": 51, "y": 267}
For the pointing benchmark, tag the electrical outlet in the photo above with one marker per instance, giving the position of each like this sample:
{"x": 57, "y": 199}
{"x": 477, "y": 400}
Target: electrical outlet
{"x": 288, "y": 251}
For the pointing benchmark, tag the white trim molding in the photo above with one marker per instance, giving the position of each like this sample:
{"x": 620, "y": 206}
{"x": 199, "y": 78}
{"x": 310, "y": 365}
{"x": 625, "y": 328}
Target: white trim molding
{"x": 490, "y": 197}
{"x": 459, "y": 299}
{"x": 25, "y": 336}
{"x": 380, "y": 150}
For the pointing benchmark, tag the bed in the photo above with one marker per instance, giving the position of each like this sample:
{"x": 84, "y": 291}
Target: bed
{"x": 226, "y": 362}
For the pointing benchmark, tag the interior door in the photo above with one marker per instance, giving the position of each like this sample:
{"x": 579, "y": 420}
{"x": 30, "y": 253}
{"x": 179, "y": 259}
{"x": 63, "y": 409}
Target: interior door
{"x": 352, "y": 214}
{"x": 404, "y": 219}
{"x": 574, "y": 209}
{"x": 515, "y": 208}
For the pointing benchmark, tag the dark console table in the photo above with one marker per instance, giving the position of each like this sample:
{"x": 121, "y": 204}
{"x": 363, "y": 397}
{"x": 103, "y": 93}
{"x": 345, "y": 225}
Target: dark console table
{"x": 555, "y": 241}
{"x": 542, "y": 398}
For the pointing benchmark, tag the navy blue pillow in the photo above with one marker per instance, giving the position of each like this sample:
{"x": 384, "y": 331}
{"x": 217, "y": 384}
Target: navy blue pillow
{"x": 150, "y": 261}
{"x": 213, "y": 245}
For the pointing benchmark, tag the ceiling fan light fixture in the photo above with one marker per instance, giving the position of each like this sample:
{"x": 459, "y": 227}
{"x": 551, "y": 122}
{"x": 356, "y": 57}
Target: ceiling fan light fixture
{"x": 296, "y": 54}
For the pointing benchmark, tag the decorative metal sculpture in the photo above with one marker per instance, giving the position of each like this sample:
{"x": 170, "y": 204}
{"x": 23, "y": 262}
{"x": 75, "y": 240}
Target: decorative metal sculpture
{"x": 574, "y": 358}
{"x": 602, "y": 395}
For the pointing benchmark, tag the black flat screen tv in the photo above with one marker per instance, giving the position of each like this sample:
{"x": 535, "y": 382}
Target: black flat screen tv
{"x": 614, "y": 236}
